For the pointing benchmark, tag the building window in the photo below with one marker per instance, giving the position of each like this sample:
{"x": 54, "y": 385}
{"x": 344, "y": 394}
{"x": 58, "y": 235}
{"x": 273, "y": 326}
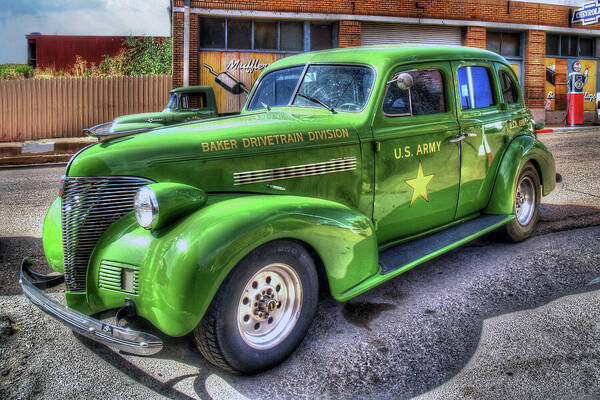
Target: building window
{"x": 273, "y": 36}
{"x": 503, "y": 43}
{"x": 291, "y": 36}
{"x": 212, "y": 33}
{"x": 321, "y": 36}
{"x": 569, "y": 46}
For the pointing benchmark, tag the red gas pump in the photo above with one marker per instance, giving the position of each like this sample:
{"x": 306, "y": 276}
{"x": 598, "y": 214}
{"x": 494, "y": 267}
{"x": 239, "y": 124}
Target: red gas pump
{"x": 576, "y": 80}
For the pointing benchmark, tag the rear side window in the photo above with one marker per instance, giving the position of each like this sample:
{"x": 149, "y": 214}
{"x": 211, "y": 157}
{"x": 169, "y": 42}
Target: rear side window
{"x": 193, "y": 101}
{"x": 509, "y": 89}
{"x": 415, "y": 92}
{"x": 475, "y": 88}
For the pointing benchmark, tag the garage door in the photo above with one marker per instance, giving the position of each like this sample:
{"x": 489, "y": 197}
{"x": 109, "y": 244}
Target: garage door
{"x": 380, "y": 33}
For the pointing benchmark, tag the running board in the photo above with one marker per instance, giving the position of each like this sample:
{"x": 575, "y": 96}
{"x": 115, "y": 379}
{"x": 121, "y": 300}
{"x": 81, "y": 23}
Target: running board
{"x": 400, "y": 258}
{"x": 423, "y": 249}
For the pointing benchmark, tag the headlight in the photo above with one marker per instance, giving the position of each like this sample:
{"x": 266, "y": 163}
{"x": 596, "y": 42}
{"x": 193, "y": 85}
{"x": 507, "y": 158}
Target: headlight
{"x": 146, "y": 207}
{"x": 174, "y": 200}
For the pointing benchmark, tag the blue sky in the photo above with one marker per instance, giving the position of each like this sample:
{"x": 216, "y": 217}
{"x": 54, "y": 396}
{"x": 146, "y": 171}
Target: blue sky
{"x": 76, "y": 17}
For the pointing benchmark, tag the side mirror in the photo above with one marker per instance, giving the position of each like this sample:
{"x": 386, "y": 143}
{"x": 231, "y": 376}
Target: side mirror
{"x": 403, "y": 80}
{"x": 539, "y": 126}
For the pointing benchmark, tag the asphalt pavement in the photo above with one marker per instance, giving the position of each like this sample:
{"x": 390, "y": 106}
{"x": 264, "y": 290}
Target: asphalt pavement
{"x": 488, "y": 320}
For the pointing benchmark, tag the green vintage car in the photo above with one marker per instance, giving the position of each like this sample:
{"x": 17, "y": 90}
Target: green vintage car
{"x": 185, "y": 104}
{"x": 345, "y": 169}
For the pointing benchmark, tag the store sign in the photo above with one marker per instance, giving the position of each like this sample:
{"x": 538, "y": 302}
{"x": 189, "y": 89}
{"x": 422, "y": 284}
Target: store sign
{"x": 248, "y": 67}
{"x": 588, "y": 14}
{"x": 232, "y": 74}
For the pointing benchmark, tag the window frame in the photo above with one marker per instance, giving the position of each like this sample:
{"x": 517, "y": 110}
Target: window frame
{"x": 257, "y": 83}
{"x": 297, "y": 88}
{"x": 446, "y": 69}
{"x": 188, "y": 94}
{"x": 579, "y": 37}
{"x": 305, "y": 30}
{"x": 410, "y": 114}
{"x": 494, "y": 86}
{"x": 506, "y": 70}
{"x": 520, "y": 59}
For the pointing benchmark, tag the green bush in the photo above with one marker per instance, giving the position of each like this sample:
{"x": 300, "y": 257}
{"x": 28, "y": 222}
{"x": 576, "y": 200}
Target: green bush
{"x": 15, "y": 71}
{"x": 144, "y": 56}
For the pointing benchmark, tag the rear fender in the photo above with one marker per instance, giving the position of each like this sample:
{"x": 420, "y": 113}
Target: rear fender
{"x": 521, "y": 150}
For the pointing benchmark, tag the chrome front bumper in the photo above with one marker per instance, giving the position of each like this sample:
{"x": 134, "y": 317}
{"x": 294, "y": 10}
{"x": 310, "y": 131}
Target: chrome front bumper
{"x": 111, "y": 335}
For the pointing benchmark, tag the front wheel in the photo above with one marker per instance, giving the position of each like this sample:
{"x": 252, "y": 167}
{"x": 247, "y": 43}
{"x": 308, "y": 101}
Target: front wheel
{"x": 262, "y": 310}
{"x": 527, "y": 205}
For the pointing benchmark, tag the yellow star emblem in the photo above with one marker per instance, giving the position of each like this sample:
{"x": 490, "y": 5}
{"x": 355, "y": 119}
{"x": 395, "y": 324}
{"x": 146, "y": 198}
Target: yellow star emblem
{"x": 419, "y": 185}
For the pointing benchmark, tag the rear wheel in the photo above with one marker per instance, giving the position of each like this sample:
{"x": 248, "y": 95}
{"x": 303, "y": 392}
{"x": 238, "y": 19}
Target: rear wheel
{"x": 527, "y": 205}
{"x": 262, "y": 310}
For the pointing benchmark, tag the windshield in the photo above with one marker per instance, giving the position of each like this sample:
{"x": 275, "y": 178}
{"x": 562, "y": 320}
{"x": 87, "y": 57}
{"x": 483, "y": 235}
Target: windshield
{"x": 276, "y": 88}
{"x": 172, "y": 104}
{"x": 342, "y": 87}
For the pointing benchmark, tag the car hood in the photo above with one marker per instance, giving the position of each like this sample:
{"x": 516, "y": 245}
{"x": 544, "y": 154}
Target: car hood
{"x": 143, "y": 117}
{"x": 173, "y": 153}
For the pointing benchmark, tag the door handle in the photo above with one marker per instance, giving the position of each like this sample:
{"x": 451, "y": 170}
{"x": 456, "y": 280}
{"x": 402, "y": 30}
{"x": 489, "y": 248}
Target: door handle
{"x": 458, "y": 138}
{"x": 471, "y": 134}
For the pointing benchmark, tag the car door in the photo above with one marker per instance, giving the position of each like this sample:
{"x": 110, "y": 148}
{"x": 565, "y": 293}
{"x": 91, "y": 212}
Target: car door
{"x": 416, "y": 160}
{"x": 482, "y": 136}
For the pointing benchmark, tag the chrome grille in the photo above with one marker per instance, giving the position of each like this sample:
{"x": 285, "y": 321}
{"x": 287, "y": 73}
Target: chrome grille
{"x": 89, "y": 206}
{"x": 295, "y": 171}
{"x": 110, "y": 276}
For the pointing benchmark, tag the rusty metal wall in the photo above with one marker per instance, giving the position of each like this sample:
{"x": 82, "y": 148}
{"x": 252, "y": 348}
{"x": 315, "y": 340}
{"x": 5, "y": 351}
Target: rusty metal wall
{"x": 33, "y": 109}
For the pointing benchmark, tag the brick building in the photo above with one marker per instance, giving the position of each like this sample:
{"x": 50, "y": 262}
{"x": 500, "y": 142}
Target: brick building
{"x": 227, "y": 43}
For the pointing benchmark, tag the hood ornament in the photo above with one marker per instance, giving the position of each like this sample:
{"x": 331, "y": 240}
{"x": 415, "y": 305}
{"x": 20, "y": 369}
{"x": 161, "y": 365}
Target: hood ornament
{"x": 104, "y": 131}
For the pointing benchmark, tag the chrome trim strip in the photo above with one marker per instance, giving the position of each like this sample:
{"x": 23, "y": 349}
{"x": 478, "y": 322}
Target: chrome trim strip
{"x": 110, "y": 276}
{"x": 295, "y": 171}
{"x": 89, "y": 206}
{"x": 128, "y": 340}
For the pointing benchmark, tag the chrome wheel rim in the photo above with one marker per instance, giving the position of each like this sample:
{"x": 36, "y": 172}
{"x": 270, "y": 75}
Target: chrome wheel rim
{"x": 525, "y": 200}
{"x": 269, "y": 306}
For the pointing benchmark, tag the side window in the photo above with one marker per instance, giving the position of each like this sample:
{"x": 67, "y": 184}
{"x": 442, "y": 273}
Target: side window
{"x": 192, "y": 101}
{"x": 415, "y": 92}
{"x": 276, "y": 88}
{"x": 509, "y": 90}
{"x": 475, "y": 88}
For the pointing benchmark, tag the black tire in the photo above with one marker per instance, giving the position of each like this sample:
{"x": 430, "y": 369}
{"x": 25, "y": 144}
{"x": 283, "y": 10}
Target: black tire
{"x": 220, "y": 335}
{"x": 524, "y": 223}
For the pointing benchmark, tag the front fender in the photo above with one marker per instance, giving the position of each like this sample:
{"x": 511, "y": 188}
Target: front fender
{"x": 521, "y": 150}
{"x": 52, "y": 237}
{"x": 183, "y": 265}
{"x": 128, "y": 126}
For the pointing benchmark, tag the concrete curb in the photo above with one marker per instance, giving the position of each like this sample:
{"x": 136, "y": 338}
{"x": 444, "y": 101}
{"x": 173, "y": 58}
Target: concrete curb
{"x": 60, "y": 150}
{"x": 41, "y": 151}
{"x": 572, "y": 129}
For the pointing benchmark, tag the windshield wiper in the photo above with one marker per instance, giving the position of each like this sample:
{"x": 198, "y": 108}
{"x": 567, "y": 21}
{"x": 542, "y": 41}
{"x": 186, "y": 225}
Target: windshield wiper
{"x": 315, "y": 100}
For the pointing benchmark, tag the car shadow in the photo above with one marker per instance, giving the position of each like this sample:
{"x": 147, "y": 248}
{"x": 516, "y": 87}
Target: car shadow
{"x": 12, "y": 251}
{"x": 401, "y": 339}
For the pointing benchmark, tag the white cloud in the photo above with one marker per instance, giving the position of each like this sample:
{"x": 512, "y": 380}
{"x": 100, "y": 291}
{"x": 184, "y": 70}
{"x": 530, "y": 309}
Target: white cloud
{"x": 113, "y": 17}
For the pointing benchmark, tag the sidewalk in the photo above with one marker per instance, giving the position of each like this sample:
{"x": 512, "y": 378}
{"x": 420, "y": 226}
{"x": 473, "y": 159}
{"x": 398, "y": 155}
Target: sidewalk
{"x": 62, "y": 149}
{"x": 41, "y": 151}
{"x": 572, "y": 129}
